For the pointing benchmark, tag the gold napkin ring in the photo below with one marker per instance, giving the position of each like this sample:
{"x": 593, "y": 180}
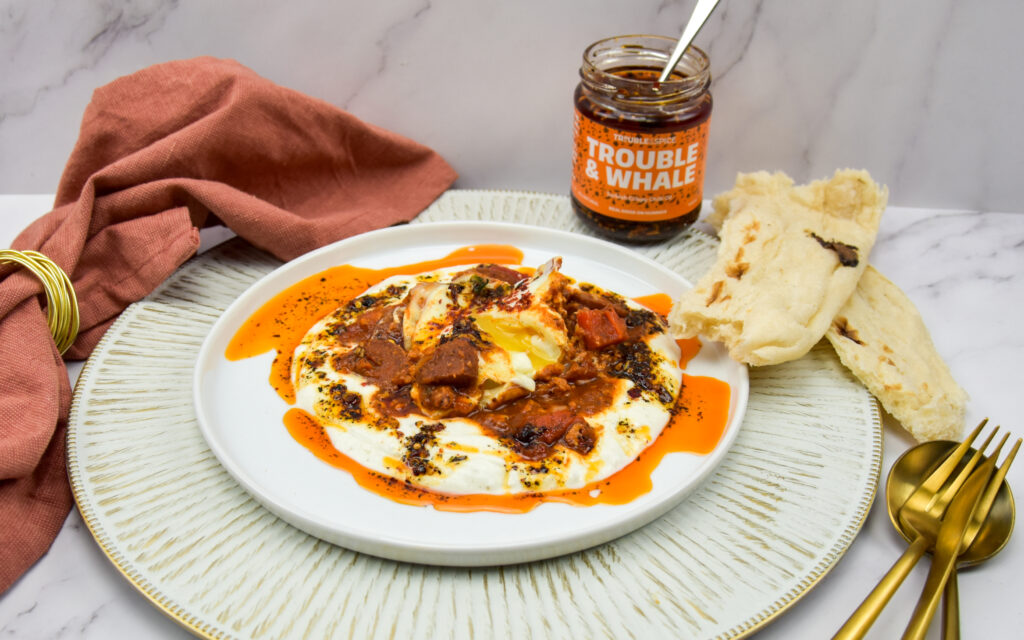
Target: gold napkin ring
{"x": 61, "y": 302}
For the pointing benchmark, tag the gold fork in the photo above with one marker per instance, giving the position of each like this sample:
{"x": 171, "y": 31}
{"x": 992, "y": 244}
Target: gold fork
{"x": 994, "y": 539}
{"x": 959, "y": 528}
{"x": 931, "y": 498}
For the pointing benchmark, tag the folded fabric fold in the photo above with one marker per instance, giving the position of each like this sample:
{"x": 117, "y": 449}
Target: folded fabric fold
{"x": 162, "y": 153}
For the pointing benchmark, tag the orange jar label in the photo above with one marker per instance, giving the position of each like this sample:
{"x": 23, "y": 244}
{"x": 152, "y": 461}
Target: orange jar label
{"x": 638, "y": 176}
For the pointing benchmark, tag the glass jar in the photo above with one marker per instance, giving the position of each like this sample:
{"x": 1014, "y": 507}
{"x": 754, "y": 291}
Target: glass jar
{"x": 640, "y": 144}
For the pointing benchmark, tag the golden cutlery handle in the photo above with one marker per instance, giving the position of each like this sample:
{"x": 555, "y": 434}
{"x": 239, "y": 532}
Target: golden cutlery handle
{"x": 942, "y": 565}
{"x": 866, "y": 614}
{"x": 951, "y": 610}
{"x": 948, "y": 545}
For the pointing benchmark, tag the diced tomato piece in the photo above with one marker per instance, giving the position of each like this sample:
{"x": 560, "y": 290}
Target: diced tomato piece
{"x": 600, "y": 327}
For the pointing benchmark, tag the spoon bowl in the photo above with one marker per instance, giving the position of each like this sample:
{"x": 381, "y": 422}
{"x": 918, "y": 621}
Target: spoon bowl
{"x": 915, "y": 465}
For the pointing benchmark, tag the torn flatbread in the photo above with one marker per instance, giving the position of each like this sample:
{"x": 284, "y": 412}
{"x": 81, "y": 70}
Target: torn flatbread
{"x": 880, "y": 336}
{"x": 789, "y": 258}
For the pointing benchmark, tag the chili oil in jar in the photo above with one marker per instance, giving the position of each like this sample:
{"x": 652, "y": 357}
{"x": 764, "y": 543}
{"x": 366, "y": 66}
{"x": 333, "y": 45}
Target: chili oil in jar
{"x": 639, "y": 144}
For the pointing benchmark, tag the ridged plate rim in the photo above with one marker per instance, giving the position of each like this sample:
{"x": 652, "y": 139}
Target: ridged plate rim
{"x": 200, "y": 614}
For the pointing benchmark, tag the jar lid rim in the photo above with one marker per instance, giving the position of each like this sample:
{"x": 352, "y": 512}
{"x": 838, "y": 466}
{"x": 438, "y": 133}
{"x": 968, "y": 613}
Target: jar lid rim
{"x": 651, "y": 50}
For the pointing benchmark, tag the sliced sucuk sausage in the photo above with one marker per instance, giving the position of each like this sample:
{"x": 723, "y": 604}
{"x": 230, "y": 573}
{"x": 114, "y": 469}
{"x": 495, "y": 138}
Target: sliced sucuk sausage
{"x": 445, "y": 401}
{"x": 389, "y": 327}
{"x": 388, "y": 361}
{"x": 535, "y": 434}
{"x": 600, "y": 327}
{"x": 533, "y": 451}
{"x": 543, "y": 427}
{"x": 362, "y": 327}
{"x": 580, "y": 436}
{"x": 595, "y": 301}
{"x": 382, "y": 361}
{"x": 498, "y": 272}
{"x": 452, "y": 363}
{"x": 583, "y": 366}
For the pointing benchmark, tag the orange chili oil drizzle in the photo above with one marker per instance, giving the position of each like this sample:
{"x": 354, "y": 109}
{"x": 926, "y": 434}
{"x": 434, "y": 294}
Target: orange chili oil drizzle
{"x": 661, "y": 303}
{"x": 699, "y": 420}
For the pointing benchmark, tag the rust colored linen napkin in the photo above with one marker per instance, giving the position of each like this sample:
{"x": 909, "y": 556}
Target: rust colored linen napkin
{"x": 162, "y": 153}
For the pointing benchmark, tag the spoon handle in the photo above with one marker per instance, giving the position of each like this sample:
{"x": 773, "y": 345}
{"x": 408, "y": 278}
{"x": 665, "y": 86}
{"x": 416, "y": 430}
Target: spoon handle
{"x": 951, "y": 609}
{"x": 942, "y": 566}
{"x": 866, "y": 614}
{"x": 968, "y": 510}
{"x": 699, "y": 16}
{"x": 948, "y": 545}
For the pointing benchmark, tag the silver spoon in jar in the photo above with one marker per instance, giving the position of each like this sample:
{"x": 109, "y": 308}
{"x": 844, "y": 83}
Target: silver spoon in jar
{"x": 697, "y": 19}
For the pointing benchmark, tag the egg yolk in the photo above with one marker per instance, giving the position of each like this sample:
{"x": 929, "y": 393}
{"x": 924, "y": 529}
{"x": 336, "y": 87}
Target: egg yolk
{"x": 513, "y": 336}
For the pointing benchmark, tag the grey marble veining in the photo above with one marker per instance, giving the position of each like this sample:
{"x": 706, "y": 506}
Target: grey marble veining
{"x": 919, "y": 92}
{"x": 922, "y": 93}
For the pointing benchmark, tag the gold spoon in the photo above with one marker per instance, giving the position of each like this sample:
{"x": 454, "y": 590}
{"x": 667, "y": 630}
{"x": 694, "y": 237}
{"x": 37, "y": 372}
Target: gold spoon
{"x": 906, "y": 475}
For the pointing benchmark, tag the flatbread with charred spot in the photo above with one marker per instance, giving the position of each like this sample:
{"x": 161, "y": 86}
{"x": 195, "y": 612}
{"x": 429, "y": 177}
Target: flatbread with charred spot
{"x": 880, "y": 336}
{"x": 789, "y": 258}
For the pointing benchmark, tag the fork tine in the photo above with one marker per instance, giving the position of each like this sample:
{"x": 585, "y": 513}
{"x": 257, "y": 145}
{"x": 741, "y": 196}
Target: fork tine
{"x": 939, "y": 476}
{"x": 927, "y": 493}
{"x": 950, "y": 543}
{"x": 951, "y": 599}
{"x": 943, "y": 498}
{"x": 865, "y": 614}
{"x": 989, "y": 497}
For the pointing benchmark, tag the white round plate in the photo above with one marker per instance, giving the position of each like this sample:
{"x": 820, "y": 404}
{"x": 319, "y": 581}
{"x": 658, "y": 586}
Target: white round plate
{"x": 241, "y": 416}
{"x": 759, "y": 533}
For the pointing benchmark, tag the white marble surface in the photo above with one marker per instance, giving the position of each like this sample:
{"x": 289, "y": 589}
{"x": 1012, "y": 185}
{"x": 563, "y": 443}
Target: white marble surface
{"x": 919, "y": 92}
{"x": 965, "y": 272}
{"x": 922, "y": 93}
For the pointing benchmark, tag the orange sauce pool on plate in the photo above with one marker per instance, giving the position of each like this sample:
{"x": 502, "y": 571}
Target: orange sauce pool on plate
{"x": 702, "y": 410}
{"x": 661, "y": 303}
